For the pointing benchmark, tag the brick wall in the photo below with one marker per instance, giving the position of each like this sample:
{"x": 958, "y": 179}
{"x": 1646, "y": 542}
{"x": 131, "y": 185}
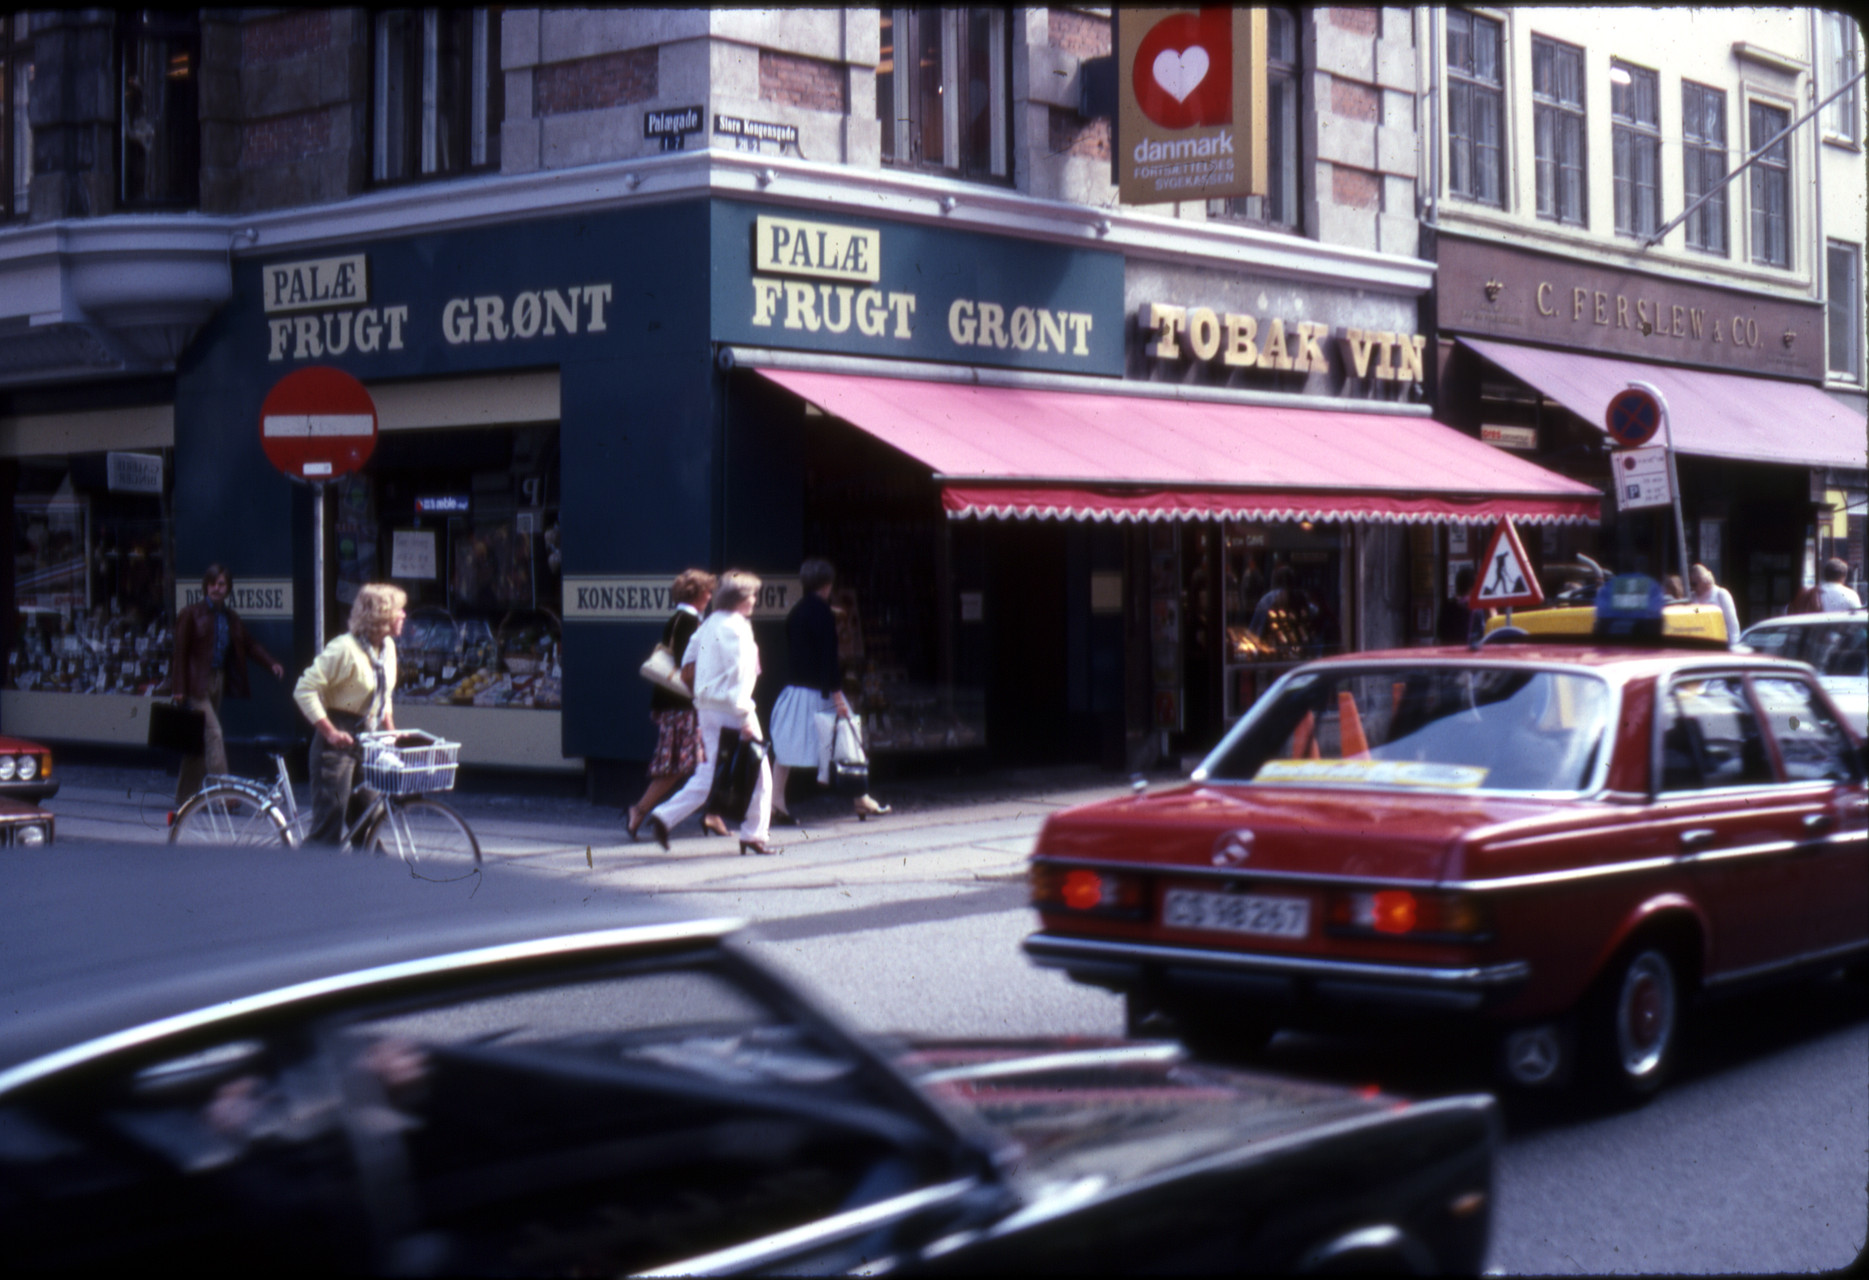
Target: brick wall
{"x": 810, "y": 83}
{"x": 1080, "y": 34}
{"x": 1365, "y": 22}
{"x": 286, "y": 139}
{"x": 1355, "y": 188}
{"x": 290, "y": 35}
{"x": 590, "y": 84}
{"x": 1356, "y": 101}
{"x": 1073, "y": 135}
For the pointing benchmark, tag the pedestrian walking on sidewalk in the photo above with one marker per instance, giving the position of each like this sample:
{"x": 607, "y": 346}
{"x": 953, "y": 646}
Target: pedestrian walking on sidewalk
{"x": 1707, "y": 591}
{"x": 346, "y": 691}
{"x": 816, "y": 688}
{"x": 725, "y": 660}
{"x": 1833, "y": 596}
{"x": 678, "y": 746}
{"x": 212, "y": 648}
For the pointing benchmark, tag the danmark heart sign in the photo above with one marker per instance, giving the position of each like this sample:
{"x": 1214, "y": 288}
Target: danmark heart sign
{"x": 1191, "y": 103}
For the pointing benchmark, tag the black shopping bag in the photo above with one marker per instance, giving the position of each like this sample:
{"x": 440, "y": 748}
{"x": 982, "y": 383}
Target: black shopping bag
{"x": 736, "y": 773}
{"x": 173, "y": 727}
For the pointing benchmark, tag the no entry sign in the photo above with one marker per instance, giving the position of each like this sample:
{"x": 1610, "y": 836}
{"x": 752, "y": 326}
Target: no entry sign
{"x": 318, "y": 423}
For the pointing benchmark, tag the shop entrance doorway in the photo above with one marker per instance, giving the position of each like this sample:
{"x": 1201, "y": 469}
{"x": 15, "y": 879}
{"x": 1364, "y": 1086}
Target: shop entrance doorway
{"x": 1026, "y": 668}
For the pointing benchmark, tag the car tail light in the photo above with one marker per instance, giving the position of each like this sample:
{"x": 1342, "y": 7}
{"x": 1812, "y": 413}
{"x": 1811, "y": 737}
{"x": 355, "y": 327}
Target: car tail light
{"x": 1405, "y": 913}
{"x": 1086, "y": 889}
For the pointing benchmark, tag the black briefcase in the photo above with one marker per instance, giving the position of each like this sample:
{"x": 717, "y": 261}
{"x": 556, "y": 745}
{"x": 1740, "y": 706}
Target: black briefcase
{"x": 736, "y": 773}
{"x": 176, "y": 728}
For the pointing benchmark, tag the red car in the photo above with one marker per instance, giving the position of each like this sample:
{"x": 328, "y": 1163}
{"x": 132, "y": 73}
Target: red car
{"x": 25, "y": 780}
{"x": 1562, "y": 845}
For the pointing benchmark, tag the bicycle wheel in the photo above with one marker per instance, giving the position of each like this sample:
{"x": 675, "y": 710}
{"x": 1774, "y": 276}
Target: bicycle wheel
{"x": 229, "y": 816}
{"x": 432, "y": 838}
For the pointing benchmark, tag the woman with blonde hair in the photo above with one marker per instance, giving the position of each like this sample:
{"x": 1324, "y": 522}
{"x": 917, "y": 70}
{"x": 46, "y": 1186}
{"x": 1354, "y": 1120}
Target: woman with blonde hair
{"x": 678, "y": 746}
{"x": 726, "y": 667}
{"x": 346, "y": 691}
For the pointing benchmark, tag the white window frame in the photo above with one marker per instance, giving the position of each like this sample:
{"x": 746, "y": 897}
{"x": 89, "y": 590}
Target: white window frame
{"x": 1842, "y": 119}
{"x": 1849, "y": 307}
{"x": 480, "y": 128}
{"x": 1751, "y": 98}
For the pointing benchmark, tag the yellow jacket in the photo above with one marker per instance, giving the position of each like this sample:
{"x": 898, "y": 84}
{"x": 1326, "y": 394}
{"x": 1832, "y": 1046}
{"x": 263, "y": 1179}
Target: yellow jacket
{"x": 341, "y": 679}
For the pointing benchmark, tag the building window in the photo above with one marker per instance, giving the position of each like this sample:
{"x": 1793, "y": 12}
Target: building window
{"x": 1844, "y": 312}
{"x": 1476, "y": 109}
{"x": 1842, "y": 118}
{"x": 1771, "y": 184}
{"x": 15, "y": 120}
{"x": 438, "y": 93}
{"x": 944, "y": 91}
{"x": 1635, "y": 145}
{"x": 158, "y": 123}
{"x": 1557, "y": 130}
{"x": 1278, "y": 207}
{"x": 1703, "y": 163}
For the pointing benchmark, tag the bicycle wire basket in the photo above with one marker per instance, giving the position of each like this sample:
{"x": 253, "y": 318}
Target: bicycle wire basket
{"x": 409, "y": 763}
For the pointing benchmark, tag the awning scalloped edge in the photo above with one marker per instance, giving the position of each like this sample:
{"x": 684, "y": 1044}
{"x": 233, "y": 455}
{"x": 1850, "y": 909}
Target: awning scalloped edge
{"x": 1103, "y": 515}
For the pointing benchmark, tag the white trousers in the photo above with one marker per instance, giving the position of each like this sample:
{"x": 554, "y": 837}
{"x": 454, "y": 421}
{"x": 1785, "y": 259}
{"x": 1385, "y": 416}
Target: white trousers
{"x": 694, "y": 794}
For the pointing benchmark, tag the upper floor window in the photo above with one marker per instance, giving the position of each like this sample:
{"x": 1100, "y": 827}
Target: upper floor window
{"x": 1842, "y": 118}
{"x": 1279, "y": 205}
{"x": 944, "y": 91}
{"x": 1635, "y": 145}
{"x": 1771, "y": 184}
{"x": 1703, "y": 163}
{"x": 158, "y": 104}
{"x": 438, "y": 97}
{"x": 1557, "y": 130}
{"x": 15, "y": 121}
{"x": 1476, "y": 108}
{"x": 1844, "y": 318}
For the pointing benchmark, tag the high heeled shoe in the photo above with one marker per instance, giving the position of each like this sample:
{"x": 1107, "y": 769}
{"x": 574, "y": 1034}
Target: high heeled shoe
{"x": 633, "y": 823}
{"x": 780, "y": 818}
{"x": 714, "y": 824}
{"x": 867, "y": 807}
{"x": 760, "y": 847}
{"x": 659, "y": 830}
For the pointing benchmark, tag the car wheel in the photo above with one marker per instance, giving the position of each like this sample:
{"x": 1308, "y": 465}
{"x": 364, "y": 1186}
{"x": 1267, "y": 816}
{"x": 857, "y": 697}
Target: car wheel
{"x": 1541, "y": 1056}
{"x": 1213, "y": 1029}
{"x": 1635, "y": 1022}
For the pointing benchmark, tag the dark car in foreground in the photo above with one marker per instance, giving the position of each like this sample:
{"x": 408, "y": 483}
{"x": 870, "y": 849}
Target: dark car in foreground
{"x": 1559, "y": 846}
{"x": 25, "y": 780}
{"x": 216, "y": 1061}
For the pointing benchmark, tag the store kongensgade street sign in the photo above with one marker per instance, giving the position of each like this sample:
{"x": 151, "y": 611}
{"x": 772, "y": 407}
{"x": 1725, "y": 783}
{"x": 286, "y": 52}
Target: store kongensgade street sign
{"x": 1514, "y": 295}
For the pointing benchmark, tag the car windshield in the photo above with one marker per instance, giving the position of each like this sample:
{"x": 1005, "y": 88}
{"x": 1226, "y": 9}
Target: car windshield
{"x": 1430, "y": 727}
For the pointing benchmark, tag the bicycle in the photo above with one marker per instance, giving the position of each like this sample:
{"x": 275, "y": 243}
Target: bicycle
{"x": 401, "y": 817}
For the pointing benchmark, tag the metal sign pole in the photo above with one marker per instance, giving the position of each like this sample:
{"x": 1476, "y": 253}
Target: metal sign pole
{"x": 318, "y": 619}
{"x": 1674, "y": 479}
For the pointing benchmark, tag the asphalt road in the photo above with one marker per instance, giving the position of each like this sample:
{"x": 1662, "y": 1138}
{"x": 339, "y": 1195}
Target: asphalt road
{"x": 1756, "y": 1160}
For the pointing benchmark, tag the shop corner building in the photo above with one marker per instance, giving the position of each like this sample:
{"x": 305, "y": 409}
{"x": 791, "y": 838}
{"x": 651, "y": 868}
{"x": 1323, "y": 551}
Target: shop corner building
{"x": 637, "y": 290}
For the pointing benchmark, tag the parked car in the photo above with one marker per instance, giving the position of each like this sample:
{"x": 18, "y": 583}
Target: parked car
{"x": 1560, "y": 845}
{"x": 1836, "y": 644}
{"x": 26, "y": 771}
{"x": 212, "y": 1061}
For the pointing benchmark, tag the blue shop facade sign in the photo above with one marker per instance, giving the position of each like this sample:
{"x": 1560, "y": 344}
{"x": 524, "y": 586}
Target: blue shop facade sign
{"x": 627, "y": 308}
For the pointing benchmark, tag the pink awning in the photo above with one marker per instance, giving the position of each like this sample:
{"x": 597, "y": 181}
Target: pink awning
{"x": 1007, "y": 451}
{"x": 1713, "y": 415}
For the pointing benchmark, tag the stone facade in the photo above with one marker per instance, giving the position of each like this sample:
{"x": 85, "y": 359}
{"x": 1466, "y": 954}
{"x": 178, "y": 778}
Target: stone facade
{"x": 1358, "y": 133}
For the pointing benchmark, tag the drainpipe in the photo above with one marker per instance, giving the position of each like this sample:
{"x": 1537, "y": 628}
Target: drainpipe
{"x": 1433, "y": 202}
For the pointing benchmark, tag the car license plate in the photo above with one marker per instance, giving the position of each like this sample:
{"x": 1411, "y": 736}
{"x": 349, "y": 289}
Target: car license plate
{"x": 1236, "y": 913}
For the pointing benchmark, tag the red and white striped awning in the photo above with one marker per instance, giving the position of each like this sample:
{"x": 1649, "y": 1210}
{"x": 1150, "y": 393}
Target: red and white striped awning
{"x": 1010, "y": 452}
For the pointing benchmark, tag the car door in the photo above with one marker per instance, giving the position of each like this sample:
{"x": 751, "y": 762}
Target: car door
{"x": 1725, "y": 818}
{"x": 661, "y": 1117}
{"x": 1823, "y": 792}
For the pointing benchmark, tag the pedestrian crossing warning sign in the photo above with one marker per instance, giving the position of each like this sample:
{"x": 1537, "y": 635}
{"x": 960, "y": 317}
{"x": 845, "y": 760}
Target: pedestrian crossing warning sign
{"x": 1505, "y": 579}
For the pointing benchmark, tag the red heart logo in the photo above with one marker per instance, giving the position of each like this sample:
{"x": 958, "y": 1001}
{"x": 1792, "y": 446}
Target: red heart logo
{"x": 1183, "y": 73}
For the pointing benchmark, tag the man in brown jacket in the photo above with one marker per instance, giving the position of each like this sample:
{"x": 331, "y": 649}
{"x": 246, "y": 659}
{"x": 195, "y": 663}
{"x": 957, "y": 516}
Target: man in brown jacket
{"x": 212, "y": 647}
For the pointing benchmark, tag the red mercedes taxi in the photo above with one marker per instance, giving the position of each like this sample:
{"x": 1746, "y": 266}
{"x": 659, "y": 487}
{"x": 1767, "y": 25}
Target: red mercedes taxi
{"x": 1563, "y": 845}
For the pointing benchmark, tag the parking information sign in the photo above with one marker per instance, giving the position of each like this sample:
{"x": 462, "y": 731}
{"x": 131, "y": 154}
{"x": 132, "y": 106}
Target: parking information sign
{"x": 1641, "y": 477}
{"x": 1505, "y": 578}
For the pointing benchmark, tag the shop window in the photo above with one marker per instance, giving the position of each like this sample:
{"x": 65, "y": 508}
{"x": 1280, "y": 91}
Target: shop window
{"x": 1476, "y": 108}
{"x": 1278, "y": 207}
{"x": 1282, "y": 588}
{"x": 15, "y": 119}
{"x": 437, "y": 93}
{"x": 467, "y": 523}
{"x": 159, "y": 126}
{"x": 1703, "y": 164}
{"x": 1558, "y": 131}
{"x": 1844, "y": 310}
{"x": 93, "y": 591}
{"x": 1842, "y": 118}
{"x": 1635, "y": 145}
{"x": 1771, "y": 184}
{"x": 944, "y": 91}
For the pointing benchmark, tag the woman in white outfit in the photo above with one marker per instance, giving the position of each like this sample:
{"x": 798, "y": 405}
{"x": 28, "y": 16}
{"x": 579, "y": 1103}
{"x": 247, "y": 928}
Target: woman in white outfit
{"x": 726, "y": 666}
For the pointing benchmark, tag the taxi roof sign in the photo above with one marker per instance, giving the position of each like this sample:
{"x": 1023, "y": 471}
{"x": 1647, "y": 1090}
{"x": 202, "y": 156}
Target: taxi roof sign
{"x": 1505, "y": 579}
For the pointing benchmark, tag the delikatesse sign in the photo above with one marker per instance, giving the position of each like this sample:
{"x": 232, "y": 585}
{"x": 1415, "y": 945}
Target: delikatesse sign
{"x": 912, "y": 292}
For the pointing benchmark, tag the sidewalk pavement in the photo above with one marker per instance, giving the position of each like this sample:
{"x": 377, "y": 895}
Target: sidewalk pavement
{"x": 944, "y": 834}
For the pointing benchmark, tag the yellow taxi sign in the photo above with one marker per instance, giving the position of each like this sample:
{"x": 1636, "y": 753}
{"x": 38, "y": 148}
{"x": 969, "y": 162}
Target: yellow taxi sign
{"x": 1702, "y": 622}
